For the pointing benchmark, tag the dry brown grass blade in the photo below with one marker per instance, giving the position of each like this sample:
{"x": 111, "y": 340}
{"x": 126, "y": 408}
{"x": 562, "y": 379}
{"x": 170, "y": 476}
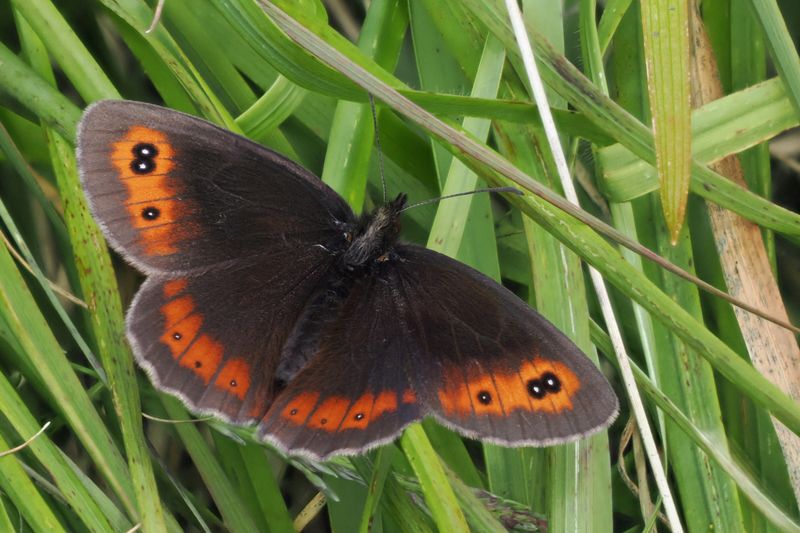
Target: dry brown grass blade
{"x": 746, "y": 268}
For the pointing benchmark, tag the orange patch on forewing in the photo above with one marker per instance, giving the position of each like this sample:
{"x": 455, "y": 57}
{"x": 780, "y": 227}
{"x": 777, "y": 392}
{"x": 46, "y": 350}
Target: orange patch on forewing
{"x": 508, "y": 391}
{"x": 484, "y": 385}
{"x": 299, "y": 407}
{"x": 122, "y": 153}
{"x": 455, "y": 395}
{"x": 203, "y": 357}
{"x": 169, "y": 212}
{"x": 362, "y": 406}
{"x": 570, "y": 384}
{"x": 234, "y": 378}
{"x": 159, "y": 234}
{"x": 329, "y": 414}
{"x": 173, "y": 287}
{"x": 409, "y": 396}
{"x": 148, "y": 188}
{"x": 161, "y": 240}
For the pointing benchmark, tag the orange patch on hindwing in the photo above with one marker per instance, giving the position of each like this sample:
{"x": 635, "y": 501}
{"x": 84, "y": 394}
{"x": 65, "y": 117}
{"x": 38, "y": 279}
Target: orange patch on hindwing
{"x": 299, "y": 407}
{"x": 194, "y": 350}
{"x": 144, "y": 158}
{"x": 360, "y": 414}
{"x": 203, "y": 357}
{"x": 329, "y": 414}
{"x": 337, "y": 413}
{"x": 540, "y": 385}
{"x": 409, "y": 396}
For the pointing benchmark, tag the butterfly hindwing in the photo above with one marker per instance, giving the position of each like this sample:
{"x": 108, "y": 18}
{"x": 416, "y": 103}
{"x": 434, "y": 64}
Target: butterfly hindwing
{"x": 216, "y": 339}
{"x": 176, "y": 193}
{"x": 354, "y": 393}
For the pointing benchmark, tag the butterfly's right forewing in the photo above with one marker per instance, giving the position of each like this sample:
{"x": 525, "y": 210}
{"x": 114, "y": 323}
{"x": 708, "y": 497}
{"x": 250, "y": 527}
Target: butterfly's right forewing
{"x": 490, "y": 366}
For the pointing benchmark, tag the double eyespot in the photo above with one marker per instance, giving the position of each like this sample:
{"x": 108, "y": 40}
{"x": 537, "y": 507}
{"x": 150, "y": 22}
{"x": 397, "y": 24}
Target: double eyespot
{"x": 144, "y": 155}
{"x": 548, "y": 383}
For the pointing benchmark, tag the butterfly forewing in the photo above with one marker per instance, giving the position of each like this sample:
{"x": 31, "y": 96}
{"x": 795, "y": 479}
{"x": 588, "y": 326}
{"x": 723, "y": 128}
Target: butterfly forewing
{"x": 176, "y": 193}
{"x": 493, "y": 368}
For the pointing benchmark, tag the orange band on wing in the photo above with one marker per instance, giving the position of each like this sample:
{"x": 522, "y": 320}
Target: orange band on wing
{"x": 198, "y": 352}
{"x": 144, "y": 158}
{"x": 337, "y": 413}
{"x": 540, "y": 385}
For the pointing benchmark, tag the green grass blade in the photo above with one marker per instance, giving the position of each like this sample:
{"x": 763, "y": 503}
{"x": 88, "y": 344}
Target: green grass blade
{"x": 234, "y": 514}
{"x": 435, "y": 486}
{"x": 781, "y": 47}
{"x": 67, "y": 49}
{"x": 20, "y": 490}
{"x": 665, "y": 27}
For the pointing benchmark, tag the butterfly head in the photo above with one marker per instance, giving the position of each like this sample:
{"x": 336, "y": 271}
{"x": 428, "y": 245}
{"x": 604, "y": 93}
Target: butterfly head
{"x": 376, "y": 234}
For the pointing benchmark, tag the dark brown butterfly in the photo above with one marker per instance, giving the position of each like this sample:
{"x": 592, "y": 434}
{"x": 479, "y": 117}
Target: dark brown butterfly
{"x": 268, "y": 302}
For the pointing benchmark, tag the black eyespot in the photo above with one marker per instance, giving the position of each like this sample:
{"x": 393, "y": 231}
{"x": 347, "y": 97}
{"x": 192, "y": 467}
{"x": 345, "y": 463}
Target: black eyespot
{"x": 150, "y": 213}
{"x": 484, "y": 397}
{"x": 233, "y": 383}
{"x": 359, "y": 416}
{"x": 293, "y": 412}
{"x": 536, "y": 389}
{"x": 551, "y": 382}
{"x": 323, "y": 421}
{"x": 143, "y": 166}
{"x": 145, "y": 151}
{"x": 177, "y": 336}
{"x": 198, "y": 364}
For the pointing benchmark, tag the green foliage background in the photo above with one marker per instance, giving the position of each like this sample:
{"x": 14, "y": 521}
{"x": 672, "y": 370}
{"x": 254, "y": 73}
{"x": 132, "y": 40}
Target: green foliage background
{"x": 102, "y": 466}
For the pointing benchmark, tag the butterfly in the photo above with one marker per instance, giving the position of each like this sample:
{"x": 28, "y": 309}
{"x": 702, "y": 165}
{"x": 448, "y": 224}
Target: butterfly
{"x": 269, "y": 302}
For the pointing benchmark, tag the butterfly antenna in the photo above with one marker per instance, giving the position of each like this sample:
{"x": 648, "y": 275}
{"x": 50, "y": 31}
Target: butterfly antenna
{"x": 511, "y": 190}
{"x": 378, "y": 144}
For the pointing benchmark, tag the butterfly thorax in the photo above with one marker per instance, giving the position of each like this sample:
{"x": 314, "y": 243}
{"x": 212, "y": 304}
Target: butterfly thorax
{"x": 374, "y": 236}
